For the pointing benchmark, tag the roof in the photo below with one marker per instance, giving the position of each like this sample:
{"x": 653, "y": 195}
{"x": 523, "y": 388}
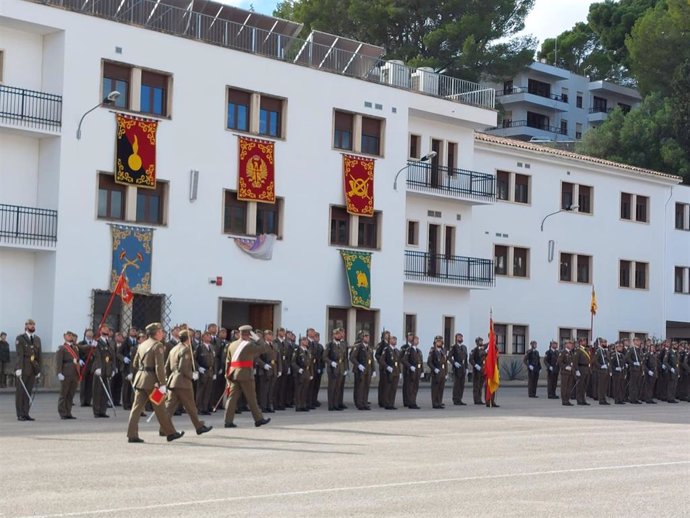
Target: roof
{"x": 544, "y": 150}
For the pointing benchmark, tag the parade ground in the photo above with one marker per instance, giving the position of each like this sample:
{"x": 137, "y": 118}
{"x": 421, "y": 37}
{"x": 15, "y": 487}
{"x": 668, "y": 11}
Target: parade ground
{"x": 530, "y": 457}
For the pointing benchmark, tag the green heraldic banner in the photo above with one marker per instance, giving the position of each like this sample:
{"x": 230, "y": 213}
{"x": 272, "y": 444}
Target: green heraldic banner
{"x": 358, "y": 271}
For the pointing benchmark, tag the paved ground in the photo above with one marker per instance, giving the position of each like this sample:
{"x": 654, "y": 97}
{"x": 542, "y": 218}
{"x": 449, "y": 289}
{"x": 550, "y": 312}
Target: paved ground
{"x": 531, "y": 457}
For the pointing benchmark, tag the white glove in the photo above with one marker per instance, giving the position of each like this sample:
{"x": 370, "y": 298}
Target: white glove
{"x": 280, "y": 374}
{"x": 97, "y": 372}
{"x": 604, "y": 367}
{"x": 478, "y": 367}
{"x": 220, "y": 371}
{"x": 18, "y": 372}
{"x": 267, "y": 367}
{"x": 577, "y": 373}
{"x": 346, "y": 373}
{"x": 301, "y": 371}
{"x": 126, "y": 360}
{"x": 195, "y": 376}
{"x": 214, "y": 377}
{"x": 94, "y": 344}
{"x": 202, "y": 370}
{"x": 373, "y": 374}
{"x": 361, "y": 368}
{"x": 551, "y": 368}
{"x": 663, "y": 366}
{"x": 636, "y": 364}
{"x": 389, "y": 368}
{"x": 39, "y": 374}
{"x": 162, "y": 389}
{"x": 114, "y": 372}
{"x": 673, "y": 370}
{"x": 531, "y": 367}
{"x": 651, "y": 373}
{"x": 334, "y": 365}
{"x": 568, "y": 368}
{"x": 289, "y": 370}
{"x": 61, "y": 376}
{"x": 436, "y": 371}
{"x": 618, "y": 369}
{"x": 413, "y": 368}
{"x": 81, "y": 363}
{"x": 254, "y": 336}
{"x": 457, "y": 365}
{"x": 129, "y": 377}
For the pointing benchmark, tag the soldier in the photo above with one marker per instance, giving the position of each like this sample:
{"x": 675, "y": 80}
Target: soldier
{"x": 268, "y": 369}
{"x": 684, "y": 381}
{"x": 672, "y": 372}
{"x": 336, "y": 368}
{"x": 241, "y": 354}
{"x": 150, "y": 374}
{"x": 181, "y": 374}
{"x": 118, "y": 344}
{"x": 437, "y": 363}
{"x": 28, "y": 369}
{"x": 4, "y": 359}
{"x": 409, "y": 337}
{"x": 86, "y": 349}
{"x": 317, "y": 351}
{"x": 128, "y": 352}
{"x": 291, "y": 347}
{"x": 618, "y": 374}
{"x": 206, "y": 361}
{"x": 385, "y": 338}
{"x": 662, "y": 374}
{"x": 566, "y": 365}
{"x": 284, "y": 352}
{"x": 458, "y": 357}
{"x": 390, "y": 363}
{"x": 581, "y": 363}
{"x": 362, "y": 361}
{"x": 303, "y": 370}
{"x": 633, "y": 363}
{"x": 67, "y": 368}
{"x": 551, "y": 366}
{"x": 477, "y": 357}
{"x": 102, "y": 369}
{"x": 602, "y": 366}
{"x": 651, "y": 372}
{"x": 413, "y": 361}
{"x": 531, "y": 359}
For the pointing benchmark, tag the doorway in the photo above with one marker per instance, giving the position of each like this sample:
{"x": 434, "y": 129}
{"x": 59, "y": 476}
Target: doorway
{"x": 257, "y": 313}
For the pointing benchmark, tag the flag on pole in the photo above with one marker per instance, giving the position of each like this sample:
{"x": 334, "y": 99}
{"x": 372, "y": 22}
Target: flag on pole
{"x": 593, "y": 304}
{"x": 493, "y": 377}
{"x": 122, "y": 289}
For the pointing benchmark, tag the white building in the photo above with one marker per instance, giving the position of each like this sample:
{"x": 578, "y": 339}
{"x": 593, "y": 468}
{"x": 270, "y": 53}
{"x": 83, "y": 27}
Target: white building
{"x": 209, "y": 74}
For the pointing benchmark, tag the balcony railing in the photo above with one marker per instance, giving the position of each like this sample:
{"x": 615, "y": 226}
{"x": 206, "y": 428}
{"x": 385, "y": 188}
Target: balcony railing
{"x": 525, "y": 90}
{"x": 600, "y": 109}
{"x": 188, "y": 23}
{"x": 28, "y": 225}
{"x": 507, "y": 123}
{"x": 423, "y": 176}
{"x": 30, "y": 108}
{"x": 449, "y": 270}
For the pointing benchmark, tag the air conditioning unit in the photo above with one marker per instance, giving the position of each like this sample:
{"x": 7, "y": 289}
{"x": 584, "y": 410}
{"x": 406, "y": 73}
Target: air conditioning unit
{"x": 395, "y": 73}
{"x": 424, "y": 79}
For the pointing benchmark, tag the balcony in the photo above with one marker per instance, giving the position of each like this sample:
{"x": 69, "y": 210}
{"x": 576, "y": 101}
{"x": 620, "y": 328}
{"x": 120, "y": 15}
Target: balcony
{"x": 24, "y": 108}
{"x": 459, "y": 184}
{"x": 454, "y": 271}
{"x": 526, "y": 130}
{"x": 28, "y": 227}
{"x": 522, "y": 94}
{"x": 598, "y": 114}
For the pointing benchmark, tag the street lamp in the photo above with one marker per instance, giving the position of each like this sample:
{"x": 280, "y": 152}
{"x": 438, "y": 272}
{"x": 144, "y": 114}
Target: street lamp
{"x": 109, "y": 99}
{"x": 425, "y": 158}
{"x": 567, "y": 209}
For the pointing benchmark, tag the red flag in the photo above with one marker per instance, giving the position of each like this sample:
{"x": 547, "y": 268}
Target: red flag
{"x": 491, "y": 370}
{"x": 256, "y": 175}
{"x": 358, "y": 177}
{"x": 122, "y": 289}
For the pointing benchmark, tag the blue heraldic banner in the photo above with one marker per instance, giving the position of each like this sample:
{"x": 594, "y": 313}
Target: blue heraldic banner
{"x": 132, "y": 254}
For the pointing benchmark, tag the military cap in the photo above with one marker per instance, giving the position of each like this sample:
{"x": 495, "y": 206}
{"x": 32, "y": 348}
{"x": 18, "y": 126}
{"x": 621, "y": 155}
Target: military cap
{"x": 438, "y": 337}
{"x": 268, "y": 332}
{"x": 29, "y": 322}
{"x": 152, "y": 328}
{"x": 71, "y": 333}
{"x": 246, "y": 327}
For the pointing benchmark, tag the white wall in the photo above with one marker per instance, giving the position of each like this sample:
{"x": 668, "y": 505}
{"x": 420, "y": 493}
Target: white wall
{"x": 677, "y": 305}
{"x": 16, "y": 292}
{"x": 23, "y": 56}
{"x": 18, "y": 169}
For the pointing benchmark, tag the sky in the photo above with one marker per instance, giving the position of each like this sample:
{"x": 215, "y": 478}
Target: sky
{"x": 547, "y": 19}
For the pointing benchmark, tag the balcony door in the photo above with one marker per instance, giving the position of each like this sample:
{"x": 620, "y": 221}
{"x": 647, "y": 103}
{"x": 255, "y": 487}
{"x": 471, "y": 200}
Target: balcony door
{"x": 433, "y": 250}
{"x": 436, "y": 145}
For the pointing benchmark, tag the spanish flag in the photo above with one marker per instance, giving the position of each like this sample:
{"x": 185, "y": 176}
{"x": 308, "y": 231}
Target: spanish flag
{"x": 493, "y": 378}
{"x": 122, "y": 289}
{"x": 593, "y": 303}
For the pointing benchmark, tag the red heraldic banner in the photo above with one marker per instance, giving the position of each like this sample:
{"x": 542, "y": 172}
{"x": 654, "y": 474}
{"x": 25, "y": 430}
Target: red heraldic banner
{"x": 135, "y": 163}
{"x": 358, "y": 178}
{"x": 256, "y": 176}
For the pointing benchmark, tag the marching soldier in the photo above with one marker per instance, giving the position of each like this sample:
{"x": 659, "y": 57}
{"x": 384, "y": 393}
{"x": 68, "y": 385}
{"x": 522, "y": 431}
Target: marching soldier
{"x": 437, "y": 363}
{"x": 268, "y": 369}
{"x": 380, "y": 347}
{"x": 458, "y": 357}
{"x": 181, "y": 374}
{"x": 649, "y": 363}
{"x": 672, "y": 372}
{"x": 150, "y": 374}
{"x": 67, "y": 368}
{"x": 206, "y": 361}
{"x": 618, "y": 372}
{"x": 303, "y": 370}
{"x": 241, "y": 354}
{"x": 127, "y": 353}
{"x": 28, "y": 369}
{"x": 566, "y": 366}
{"x": 336, "y": 368}
{"x": 551, "y": 366}
{"x": 409, "y": 337}
{"x": 531, "y": 359}
{"x": 477, "y": 357}
{"x": 601, "y": 364}
{"x": 362, "y": 359}
{"x": 633, "y": 362}
{"x": 86, "y": 350}
{"x": 284, "y": 352}
{"x": 102, "y": 369}
{"x": 413, "y": 361}
{"x": 581, "y": 363}
{"x": 390, "y": 363}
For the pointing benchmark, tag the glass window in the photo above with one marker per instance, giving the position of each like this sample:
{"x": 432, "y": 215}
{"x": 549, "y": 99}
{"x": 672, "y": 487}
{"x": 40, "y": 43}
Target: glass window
{"x": 641, "y": 208}
{"x": 584, "y": 199}
{"x": 117, "y": 77}
{"x": 150, "y": 204}
{"x": 368, "y": 231}
{"x": 502, "y": 185}
{"x": 366, "y": 321}
{"x": 625, "y": 205}
{"x": 371, "y": 136}
{"x": 500, "y": 260}
{"x": 566, "y": 195}
{"x": 501, "y": 330}
{"x": 235, "y": 220}
{"x": 679, "y": 274}
{"x": 583, "y": 268}
{"x": 267, "y": 217}
{"x": 641, "y": 276}
{"x": 521, "y": 188}
{"x": 340, "y": 226}
{"x": 238, "y": 109}
{"x": 624, "y": 274}
{"x": 410, "y": 324}
{"x": 519, "y": 339}
{"x": 270, "y": 116}
{"x": 452, "y": 155}
{"x": 520, "y": 258}
{"x": 111, "y": 198}
{"x": 600, "y": 105}
{"x": 564, "y": 334}
{"x": 566, "y": 273}
{"x": 680, "y": 216}
{"x": 342, "y": 134}
{"x": 564, "y": 126}
{"x": 154, "y": 93}
{"x": 415, "y": 149}
{"x": 578, "y": 100}
{"x": 337, "y": 317}
{"x": 413, "y": 233}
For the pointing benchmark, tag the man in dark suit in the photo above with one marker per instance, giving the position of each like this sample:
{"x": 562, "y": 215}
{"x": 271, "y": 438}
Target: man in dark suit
{"x": 28, "y": 369}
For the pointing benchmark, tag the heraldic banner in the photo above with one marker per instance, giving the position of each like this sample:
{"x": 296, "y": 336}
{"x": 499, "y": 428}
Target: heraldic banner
{"x": 358, "y": 271}
{"x": 132, "y": 254}
{"x": 256, "y": 175}
{"x": 358, "y": 178}
{"x": 135, "y": 162}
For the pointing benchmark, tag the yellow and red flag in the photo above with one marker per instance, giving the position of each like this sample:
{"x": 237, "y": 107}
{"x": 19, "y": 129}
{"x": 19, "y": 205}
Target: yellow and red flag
{"x": 135, "y": 163}
{"x": 493, "y": 377}
{"x": 256, "y": 175}
{"x": 593, "y": 304}
{"x": 358, "y": 178}
{"x": 122, "y": 289}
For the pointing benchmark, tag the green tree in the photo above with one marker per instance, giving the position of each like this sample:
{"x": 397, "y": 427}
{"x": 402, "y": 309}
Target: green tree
{"x": 458, "y": 37}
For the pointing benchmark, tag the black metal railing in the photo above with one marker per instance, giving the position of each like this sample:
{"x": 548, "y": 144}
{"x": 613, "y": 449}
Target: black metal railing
{"x": 451, "y": 270}
{"x": 423, "y": 176}
{"x": 525, "y": 90}
{"x": 507, "y": 123}
{"x": 600, "y": 109}
{"x": 28, "y": 225}
{"x": 30, "y": 108}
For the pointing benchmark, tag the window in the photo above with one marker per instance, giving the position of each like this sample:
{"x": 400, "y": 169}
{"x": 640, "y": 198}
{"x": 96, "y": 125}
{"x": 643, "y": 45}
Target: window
{"x": 600, "y": 105}
{"x": 633, "y": 274}
{"x": 501, "y": 332}
{"x": 508, "y": 87}
{"x": 575, "y": 268}
{"x": 452, "y": 156}
{"x": 564, "y": 127}
{"x": 574, "y": 194}
{"x": 415, "y": 146}
{"x": 566, "y": 195}
{"x": 337, "y": 318}
{"x": 117, "y": 78}
{"x": 239, "y": 103}
{"x": 641, "y": 275}
{"x": 111, "y": 198}
{"x": 519, "y": 339}
{"x": 624, "y": 269}
{"x": 641, "y": 204}
{"x": 502, "y": 185}
{"x": 538, "y": 88}
{"x": 682, "y": 216}
{"x": 679, "y": 283}
{"x": 2, "y": 62}
{"x": 578, "y": 130}
{"x": 584, "y": 199}
{"x": 410, "y": 324}
{"x": 517, "y": 257}
{"x": 521, "y": 188}
{"x": 566, "y": 270}
{"x": 150, "y": 204}
{"x": 520, "y": 191}
{"x": 627, "y": 335}
{"x": 154, "y": 98}
{"x": 235, "y": 214}
{"x": 251, "y": 218}
{"x": 270, "y": 116}
{"x": 500, "y": 260}
{"x": 520, "y": 259}
{"x": 449, "y": 245}
{"x": 371, "y": 136}
{"x": 564, "y": 334}
{"x": 413, "y": 233}
{"x": 537, "y": 120}
{"x": 342, "y": 135}
{"x": 365, "y": 320}
{"x": 340, "y": 226}
{"x": 564, "y": 95}
{"x": 368, "y": 231}
{"x": 448, "y": 331}
{"x": 626, "y": 201}
{"x": 583, "y": 267}
{"x": 578, "y": 100}
{"x": 267, "y": 217}
{"x": 625, "y": 108}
